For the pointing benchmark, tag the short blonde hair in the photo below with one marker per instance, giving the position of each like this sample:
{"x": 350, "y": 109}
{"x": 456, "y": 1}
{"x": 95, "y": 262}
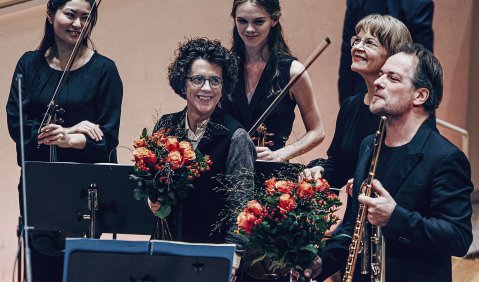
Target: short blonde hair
{"x": 387, "y": 29}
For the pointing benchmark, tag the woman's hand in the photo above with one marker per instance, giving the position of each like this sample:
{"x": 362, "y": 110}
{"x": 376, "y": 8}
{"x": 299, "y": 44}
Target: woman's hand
{"x": 349, "y": 187}
{"x": 54, "y": 134}
{"x": 312, "y": 174}
{"x": 88, "y": 129}
{"x": 154, "y": 207}
{"x": 265, "y": 154}
{"x": 315, "y": 269}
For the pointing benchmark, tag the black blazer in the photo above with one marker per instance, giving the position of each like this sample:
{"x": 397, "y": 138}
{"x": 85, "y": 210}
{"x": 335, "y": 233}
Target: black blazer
{"x": 432, "y": 219}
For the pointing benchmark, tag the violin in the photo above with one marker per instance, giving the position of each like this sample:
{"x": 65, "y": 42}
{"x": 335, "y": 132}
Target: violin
{"x": 53, "y": 111}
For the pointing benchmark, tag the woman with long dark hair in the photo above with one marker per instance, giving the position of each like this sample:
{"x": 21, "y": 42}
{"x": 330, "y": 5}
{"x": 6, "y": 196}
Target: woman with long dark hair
{"x": 265, "y": 67}
{"x": 90, "y": 101}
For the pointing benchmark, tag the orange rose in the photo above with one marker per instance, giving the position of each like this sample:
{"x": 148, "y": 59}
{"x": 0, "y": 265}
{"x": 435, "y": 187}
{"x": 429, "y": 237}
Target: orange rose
{"x": 188, "y": 155}
{"x": 139, "y": 143}
{"x": 246, "y": 221}
{"x": 270, "y": 186}
{"x": 174, "y": 159}
{"x": 171, "y": 143}
{"x": 284, "y": 187}
{"x": 184, "y": 146}
{"x": 142, "y": 154}
{"x": 305, "y": 190}
{"x": 255, "y": 208}
{"x": 286, "y": 203}
{"x": 322, "y": 185}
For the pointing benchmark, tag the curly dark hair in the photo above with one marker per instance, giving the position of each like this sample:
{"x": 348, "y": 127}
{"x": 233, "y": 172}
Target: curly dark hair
{"x": 208, "y": 50}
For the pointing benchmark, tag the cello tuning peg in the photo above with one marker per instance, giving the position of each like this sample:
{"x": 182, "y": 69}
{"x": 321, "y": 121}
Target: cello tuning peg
{"x": 60, "y": 111}
{"x": 60, "y": 121}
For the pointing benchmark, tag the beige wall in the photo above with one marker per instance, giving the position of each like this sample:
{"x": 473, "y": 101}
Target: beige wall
{"x": 140, "y": 37}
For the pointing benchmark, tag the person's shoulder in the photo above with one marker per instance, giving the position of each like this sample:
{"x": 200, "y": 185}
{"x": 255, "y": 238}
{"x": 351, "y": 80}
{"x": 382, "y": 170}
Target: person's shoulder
{"x": 29, "y": 56}
{"x": 353, "y": 103}
{"x": 296, "y": 67}
{"x": 228, "y": 120}
{"x": 171, "y": 121}
{"x": 438, "y": 144}
{"x": 103, "y": 60}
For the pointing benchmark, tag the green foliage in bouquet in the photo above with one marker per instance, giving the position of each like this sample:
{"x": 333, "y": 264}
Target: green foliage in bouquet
{"x": 164, "y": 169}
{"x": 287, "y": 221}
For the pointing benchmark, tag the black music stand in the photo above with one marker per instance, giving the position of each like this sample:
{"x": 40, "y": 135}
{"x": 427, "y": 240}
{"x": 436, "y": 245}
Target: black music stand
{"x": 57, "y": 195}
{"x": 111, "y": 260}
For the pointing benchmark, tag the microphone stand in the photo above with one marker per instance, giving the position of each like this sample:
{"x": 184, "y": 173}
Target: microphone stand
{"x": 26, "y": 228}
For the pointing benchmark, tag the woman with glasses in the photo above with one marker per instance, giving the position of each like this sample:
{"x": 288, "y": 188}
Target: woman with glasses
{"x": 265, "y": 67}
{"x": 203, "y": 73}
{"x": 375, "y": 40}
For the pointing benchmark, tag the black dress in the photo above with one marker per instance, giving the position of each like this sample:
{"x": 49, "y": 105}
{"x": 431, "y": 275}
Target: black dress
{"x": 353, "y": 124}
{"x": 93, "y": 92}
{"x": 280, "y": 121}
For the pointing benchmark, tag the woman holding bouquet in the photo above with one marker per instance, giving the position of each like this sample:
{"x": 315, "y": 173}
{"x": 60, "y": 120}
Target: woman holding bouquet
{"x": 91, "y": 102}
{"x": 265, "y": 67}
{"x": 203, "y": 73}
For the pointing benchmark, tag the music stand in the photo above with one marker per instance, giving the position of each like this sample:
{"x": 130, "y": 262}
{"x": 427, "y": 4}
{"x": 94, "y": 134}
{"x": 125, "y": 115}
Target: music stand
{"x": 57, "y": 195}
{"x": 113, "y": 260}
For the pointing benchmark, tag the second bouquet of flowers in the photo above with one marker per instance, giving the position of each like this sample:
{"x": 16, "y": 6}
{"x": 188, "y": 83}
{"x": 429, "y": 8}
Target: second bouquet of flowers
{"x": 286, "y": 225}
{"x": 164, "y": 170}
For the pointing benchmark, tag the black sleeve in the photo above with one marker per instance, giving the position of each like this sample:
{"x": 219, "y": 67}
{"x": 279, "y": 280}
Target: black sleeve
{"x": 107, "y": 111}
{"x": 346, "y": 75}
{"x": 421, "y": 24}
{"x": 332, "y": 165}
{"x": 30, "y": 125}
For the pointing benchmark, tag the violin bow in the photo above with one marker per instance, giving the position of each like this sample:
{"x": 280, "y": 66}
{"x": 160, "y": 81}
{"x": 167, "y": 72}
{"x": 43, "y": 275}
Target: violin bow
{"x": 52, "y": 106}
{"x": 321, "y": 47}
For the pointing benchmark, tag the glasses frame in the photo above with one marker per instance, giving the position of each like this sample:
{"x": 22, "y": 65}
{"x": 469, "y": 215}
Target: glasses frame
{"x": 356, "y": 40}
{"x": 213, "y": 86}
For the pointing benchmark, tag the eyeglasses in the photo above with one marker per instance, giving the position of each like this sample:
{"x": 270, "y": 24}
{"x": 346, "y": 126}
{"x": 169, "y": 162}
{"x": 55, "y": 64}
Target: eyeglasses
{"x": 368, "y": 43}
{"x": 199, "y": 81}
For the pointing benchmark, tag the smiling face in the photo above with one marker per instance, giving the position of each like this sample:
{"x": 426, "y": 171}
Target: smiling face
{"x": 202, "y": 100}
{"x": 68, "y": 21}
{"x": 368, "y": 56}
{"x": 395, "y": 93}
{"x": 253, "y": 24}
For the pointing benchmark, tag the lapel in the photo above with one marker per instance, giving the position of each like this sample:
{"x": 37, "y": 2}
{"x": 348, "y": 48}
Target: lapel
{"x": 214, "y": 128}
{"x": 362, "y": 167}
{"x": 402, "y": 169}
{"x": 174, "y": 122}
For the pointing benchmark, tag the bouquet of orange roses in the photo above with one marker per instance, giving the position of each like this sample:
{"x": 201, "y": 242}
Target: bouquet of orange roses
{"x": 286, "y": 224}
{"x": 164, "y": 169}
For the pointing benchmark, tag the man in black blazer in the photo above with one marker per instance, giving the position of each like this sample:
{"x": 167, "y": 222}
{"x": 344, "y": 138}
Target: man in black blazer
{"x": 415, "y": 14}
{"x": 422, "y": 180}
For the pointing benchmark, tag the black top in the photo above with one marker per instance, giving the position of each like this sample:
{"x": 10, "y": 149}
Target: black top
{"x": 353, "y": 124}
{"x": 280, "y": 121}
{"x": 233, "y": 154}
{"x": 431, "y": 185}
{"x": 93, "y": 92}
